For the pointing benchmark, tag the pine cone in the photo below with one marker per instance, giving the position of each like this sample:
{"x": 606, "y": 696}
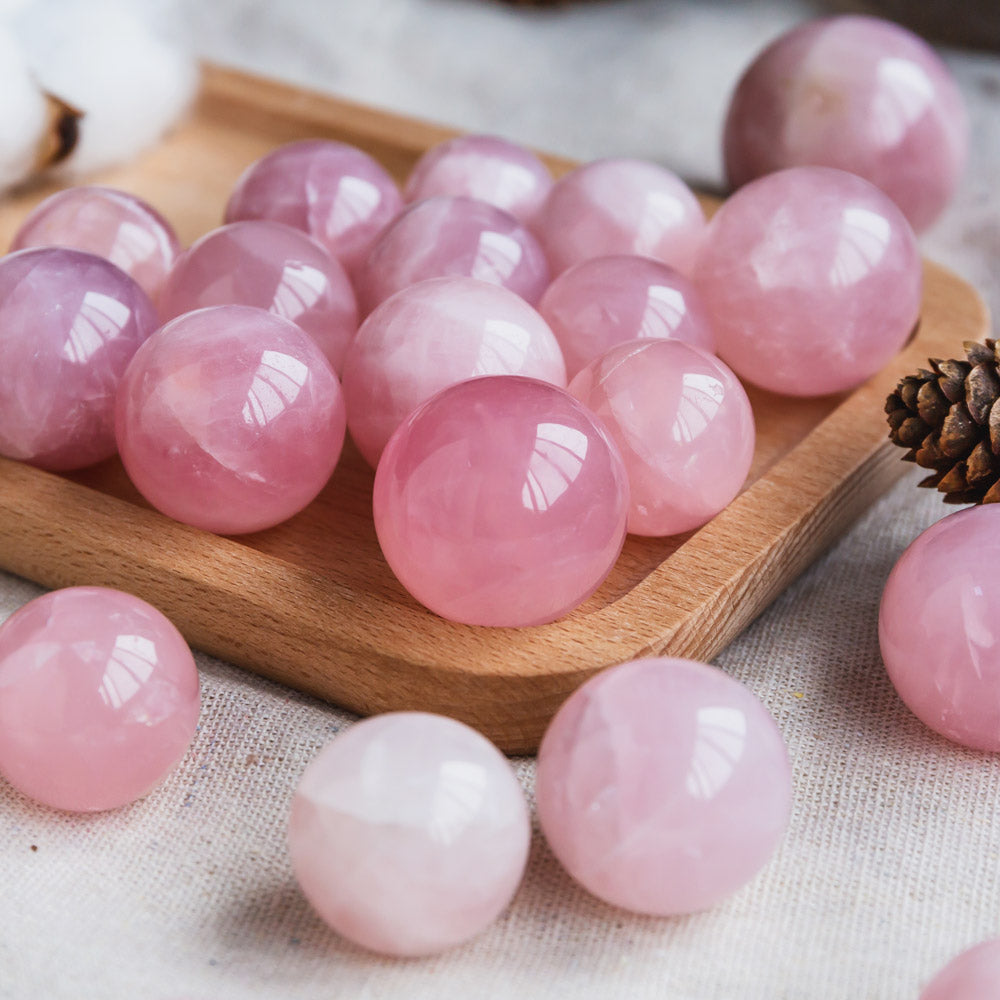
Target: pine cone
{"x": 949, "y": 419}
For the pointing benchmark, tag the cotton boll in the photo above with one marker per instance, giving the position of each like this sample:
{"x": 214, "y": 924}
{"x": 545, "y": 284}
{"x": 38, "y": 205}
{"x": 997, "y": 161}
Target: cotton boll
{"x": 24, "y": 114}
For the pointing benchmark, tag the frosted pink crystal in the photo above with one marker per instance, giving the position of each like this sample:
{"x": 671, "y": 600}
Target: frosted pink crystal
{"x": 230, "y": 419}
{"x": 69, "y": 325}
{"x": 605, "y": 301}
{"x": 501, "y": 501}
{"x": 684, "y": 427}
{"x": 973, "y": 975}
{"x": 409, "y": 833}
{"x": 98, "y": 698}
{"x": 109, "y": 223}
{"x": 271, "y": 266}
{"x": 431, "y": 335}
{"x": 812, "y": 278}
{"x": 453, "y": 236}
{"x": 856, "y": 93}
{"x": 663, "y": 786}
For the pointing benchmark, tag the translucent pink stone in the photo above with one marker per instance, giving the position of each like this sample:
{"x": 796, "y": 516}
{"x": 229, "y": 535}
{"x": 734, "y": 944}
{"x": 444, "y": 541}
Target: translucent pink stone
{"x": 109, "y": 223}
{"x": 812, "y": 278}
{"x": 409, "y": 833}
{"x": 684, "y": 427}
{"x": 431, "y": 335}
{"x": 271, "y": 266}
{"x": 620, "y": 206}
{"x": 485, "y": 167}
{"x": 453, "y": 236}
{"x": 230, "y": 419}
{"x": 501, "y": 501}
{"x": 98, "y": 698}
{"x": 663, "y": 786}
{"x": 333, "y": 191}
{"x": 605, "y": 301}
{"x": 973, "y": 975}
{"x": 69, "y": 325}
{"x": 856, "y": 93}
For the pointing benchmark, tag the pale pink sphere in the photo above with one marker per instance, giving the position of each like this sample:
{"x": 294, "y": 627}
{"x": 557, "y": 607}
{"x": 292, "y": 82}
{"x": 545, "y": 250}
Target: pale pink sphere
{"x": 939, "y": 627}
{"x": 98, "y": 698}
{"x": 230, "y": 419}
{"x": 484, "y": 167}
{"x": 69, "y": 324}
{"x": 334, "y": 192}
{"x": 813, "y": 281}
{"x": 620, "y": 206}
{"x": 501, "y": 501}
{"x": 860, "y": 94}
{"x": 112, "y": 224}
{"x": 431, "y": 335}
{"x": 453, "y": 236}
{"x": 604, "y": 301}
{"x": 684, "y": 427}
{"x": 973, "y": 975}
{"x": 663, "y": 786}
{"x": 409, "y": 833}
{"x": 271, "y": 266}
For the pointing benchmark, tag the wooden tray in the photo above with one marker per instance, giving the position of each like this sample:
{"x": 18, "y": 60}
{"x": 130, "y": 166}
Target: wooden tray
{"x": 311, "y": 603}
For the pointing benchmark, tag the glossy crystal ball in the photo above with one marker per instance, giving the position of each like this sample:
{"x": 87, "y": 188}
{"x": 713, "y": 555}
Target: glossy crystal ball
{"x": 973, "y": 975}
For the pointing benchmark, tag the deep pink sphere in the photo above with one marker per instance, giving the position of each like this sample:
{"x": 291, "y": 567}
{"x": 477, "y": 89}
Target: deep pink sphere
{"x": 501, "y": 501}
{"x": 973, "y": 975}
{"x": 98, "y": 698}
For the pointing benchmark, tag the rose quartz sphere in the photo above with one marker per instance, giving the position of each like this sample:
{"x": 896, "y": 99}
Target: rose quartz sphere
{"x": 453, "y": 236}
{"x": 973, "y": 975}
{"x": 856, "y": 93}
{"x": 501, "y": 501}
{"x": 939, "y": 627}
{"x": 812, "y": 279}
{"x": 409, "y": 833}
{"x": 230, "y": 419}
{"x": 604, "y": 301}
{"x": 108, "y": 223}
{"x": 484, "y": 167}
{"x": 431, "y": 335}
{"x": 69, "y": 325}
{"x": 98, "y": 698}
{"x": 684, "y": 427}
{"x": 271, "y": 266}
{"x": 330, "y": 190}
{"x": 620, "y": 206}
{"x": 663, "y": 786}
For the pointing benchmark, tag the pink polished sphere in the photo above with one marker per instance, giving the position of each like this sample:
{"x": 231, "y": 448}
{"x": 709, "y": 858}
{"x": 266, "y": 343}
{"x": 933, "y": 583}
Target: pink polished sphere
{"x": 605, "y": 301}
{"x": 271, "y": 266}
{"x": 813, "y": 281}
{"x": 620, "y": 206}
{"x": 409, "y": 833}
{"x": 98, "y": 698}
{"x": 431, "y": 335}
{"x": 973, "y": 975}
{"x": 230, "y": 419}
{"x": 330, "y": 190}
{"x": 663, "y": 786}
{"x": 484, "y": 167}
{"x": 501, "y": 501}
{"x": 108, "y": 223}
{"x": 69, "y": 325}
{"x": 684, "y": 427}
{"x": 453, "y": 236}
{"x": 860, "y": 94}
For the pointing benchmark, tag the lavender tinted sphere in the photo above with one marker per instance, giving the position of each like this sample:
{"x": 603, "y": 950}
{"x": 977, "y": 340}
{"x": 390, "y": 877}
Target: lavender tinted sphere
{"x": 271, "y": 266}
{"x": 230, "y": 419}
{"x": 663, "y": 786}
{"x": 812, "y": 279}
{"x": 860, "y": 94}
{"x": 973, "y": 975}
{"x": 431, "y": 335}
{"x": 69, "y": 325}
{"x": 605, "y": 301}
{"x": 409, "y": 833}
{"x": 501, "y": 501}
{"x": 453, "y": 236}
{"x": 98, "y": 698}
